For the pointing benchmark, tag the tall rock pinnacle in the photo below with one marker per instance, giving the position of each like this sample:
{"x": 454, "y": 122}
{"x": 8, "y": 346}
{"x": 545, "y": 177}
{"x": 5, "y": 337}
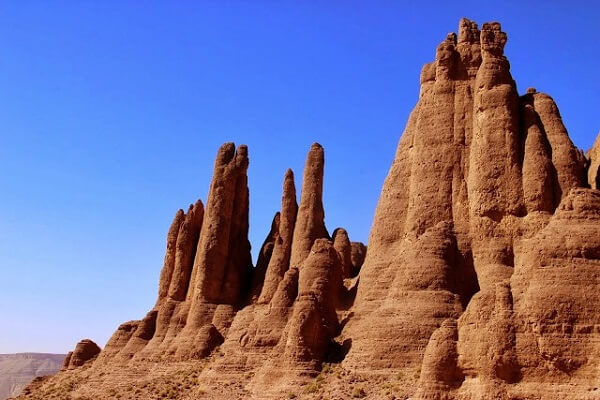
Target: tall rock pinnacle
{"x": 187, "y": 240}
{"x": 169, "y": 264}
{"x": 310, "y": 222}
{"x": 219, "y": 255}
{"x": 280, "y": 258}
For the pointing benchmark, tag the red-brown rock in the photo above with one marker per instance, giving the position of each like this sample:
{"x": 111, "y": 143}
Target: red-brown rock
{"x": 86, "y": 350}
{"x": 481, "y": 279}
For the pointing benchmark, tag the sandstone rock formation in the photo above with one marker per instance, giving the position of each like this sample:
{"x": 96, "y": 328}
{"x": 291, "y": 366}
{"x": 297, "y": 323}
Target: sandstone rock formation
{"x": 480, "y": 281}
{"x": 491, "y": 167}
{"x": 85, "y": 351}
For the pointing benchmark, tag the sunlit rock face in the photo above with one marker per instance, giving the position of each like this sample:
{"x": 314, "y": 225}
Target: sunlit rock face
{"x": 480, "y": 280}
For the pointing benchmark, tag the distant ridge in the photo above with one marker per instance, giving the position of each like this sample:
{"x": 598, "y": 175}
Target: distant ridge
{"x": 17, "y": 370}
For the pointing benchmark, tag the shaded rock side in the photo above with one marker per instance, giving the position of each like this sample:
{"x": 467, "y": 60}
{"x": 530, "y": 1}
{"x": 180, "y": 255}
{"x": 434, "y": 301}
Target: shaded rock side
{"x": 84, "y": 351}
{"x": 358, "y": 252}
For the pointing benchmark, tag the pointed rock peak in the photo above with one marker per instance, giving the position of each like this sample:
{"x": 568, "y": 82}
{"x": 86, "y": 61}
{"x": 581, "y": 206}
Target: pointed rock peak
{"x": 288, "y": 177}
{"x": 469, "y": 46}
{"x": 197, "y": 209}
{"x": 313, "y": 172}
{"x": 451, "y": 38}
{"x": 174, "y": 228}
{"x": 316, "y": 146}
{"x": 289, "y": 194}
{"x": 445, "y": 58}
{"x": 493, "y": 39}
{"x": 289, "y": 186}
{"x": 194, "y": 207}
{"x": 169, "y": 262}
{"x": 275, "y": 224}
{"x": 279, "y": 261}
{"x": 225, "y": 154}
{"x": 310, "y": 222}
{"x": 315, "y": 157}
{"x": 341, "y": 232}
{"x": 84, "y": 351}
{"x": 445, "y": 51}
{"x": 187, "y": 240}
{"x": 342, "y": 245}
{"x": 241, "y": 156}
{"x": 264, "y": 258}
{"x": 468, "y": 31}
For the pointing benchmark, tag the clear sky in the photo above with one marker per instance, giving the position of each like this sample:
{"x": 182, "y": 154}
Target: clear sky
{"x": 111, "y": 113}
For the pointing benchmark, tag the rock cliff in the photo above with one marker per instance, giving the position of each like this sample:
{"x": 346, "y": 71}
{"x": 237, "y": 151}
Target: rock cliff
{"x": 481, "y": 278}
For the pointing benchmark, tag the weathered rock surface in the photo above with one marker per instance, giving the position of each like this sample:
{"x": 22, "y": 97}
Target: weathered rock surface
{"x": 482, "y": 169}
{"x": 85, "y": 351}
{"x": 481, "y": 279}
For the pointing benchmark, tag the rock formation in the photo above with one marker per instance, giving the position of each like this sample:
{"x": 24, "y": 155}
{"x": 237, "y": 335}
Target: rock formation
{"x": 484, "y": 170}
{"x": 85, "y": 351}
{"x": 480, "y": 281}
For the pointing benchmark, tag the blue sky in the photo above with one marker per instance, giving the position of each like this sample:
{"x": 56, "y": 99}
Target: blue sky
{"x": 111, "y": 113}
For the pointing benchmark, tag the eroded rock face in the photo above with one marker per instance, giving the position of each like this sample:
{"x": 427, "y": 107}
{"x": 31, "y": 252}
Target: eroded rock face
{"x": 310, "y": 223}
{"x": 481, "y": 278}
{"x": 85, "y": 351}
{"x": 483, "y": 168}
{"x": 211, "y": 296}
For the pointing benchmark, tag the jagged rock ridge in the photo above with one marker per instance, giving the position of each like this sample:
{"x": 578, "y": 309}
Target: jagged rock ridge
{"x": 480, "y": 280}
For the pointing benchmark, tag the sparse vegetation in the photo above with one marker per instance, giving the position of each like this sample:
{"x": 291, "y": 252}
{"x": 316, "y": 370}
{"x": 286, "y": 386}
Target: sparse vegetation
{"x": 359, "y": 393}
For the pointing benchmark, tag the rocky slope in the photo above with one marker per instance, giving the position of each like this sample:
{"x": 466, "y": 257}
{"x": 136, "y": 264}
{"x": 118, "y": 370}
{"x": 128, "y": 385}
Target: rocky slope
{"x": 17, "y": 370}
{"x": 480, "y": 281}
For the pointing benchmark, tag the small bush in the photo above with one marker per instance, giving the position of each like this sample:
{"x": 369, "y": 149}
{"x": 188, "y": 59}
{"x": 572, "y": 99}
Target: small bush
{"x": 359, "y": 393}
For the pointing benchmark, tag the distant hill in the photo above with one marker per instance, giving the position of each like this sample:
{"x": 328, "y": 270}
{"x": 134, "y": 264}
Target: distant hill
{"x": 17, "y": 370}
